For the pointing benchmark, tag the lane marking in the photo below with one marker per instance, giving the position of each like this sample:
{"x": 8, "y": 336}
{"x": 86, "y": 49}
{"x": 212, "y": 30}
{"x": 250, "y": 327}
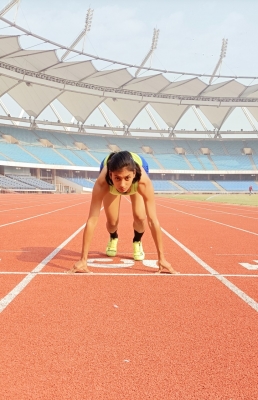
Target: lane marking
{"x": 14, "y": 251}
{"x": 210, "y": 220}
{"x": 5, "y": 301}
{"x": 232, "y": 254}
{"x": 35, "y": 205}
{"x": 190, "y": 203}
{"x": 247, "y": 299}
{"x": 147, "y": 273}
{"x": 250, "y": 266}
{"x": 94, "y": 262}
{"x": 40, "y": 215}
{"x": 218, "y": 211}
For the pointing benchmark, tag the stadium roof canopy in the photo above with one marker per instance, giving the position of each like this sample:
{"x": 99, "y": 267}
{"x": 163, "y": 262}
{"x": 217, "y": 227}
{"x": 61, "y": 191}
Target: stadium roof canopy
{"x": 36, "y": 78}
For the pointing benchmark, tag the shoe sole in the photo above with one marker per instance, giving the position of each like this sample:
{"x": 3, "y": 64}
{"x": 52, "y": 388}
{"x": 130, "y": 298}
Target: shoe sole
{"x": 111, "y": 253}
{"x": 139, "y": 258}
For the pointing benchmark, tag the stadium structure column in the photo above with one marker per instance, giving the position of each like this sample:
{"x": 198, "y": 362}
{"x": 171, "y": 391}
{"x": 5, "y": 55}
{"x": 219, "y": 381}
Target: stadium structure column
{"x": 38, "y": 173}
{"x": 54, "y": 176}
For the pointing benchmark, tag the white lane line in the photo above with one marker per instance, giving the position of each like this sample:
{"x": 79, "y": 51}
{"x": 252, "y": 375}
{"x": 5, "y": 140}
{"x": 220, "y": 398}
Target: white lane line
{"x": 210, "y": 220}
{"x": 35, "y": 205}
{"x": 28, "y": 278}
{"x": 218, "y": 211}
{"x": 40, "y": 215}
{"x": 247, "y": 299}
{"x": 14, "y": 251}
{"x": 147, "y": 273}
{"x": 190, "y": 203}
{"x": 236, "y": 254}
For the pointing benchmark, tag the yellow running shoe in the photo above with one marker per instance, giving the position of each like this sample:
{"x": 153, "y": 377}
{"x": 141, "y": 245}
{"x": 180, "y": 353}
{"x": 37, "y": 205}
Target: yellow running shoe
{"x": 138, "y": 253}
{"x": 111, "y": 248}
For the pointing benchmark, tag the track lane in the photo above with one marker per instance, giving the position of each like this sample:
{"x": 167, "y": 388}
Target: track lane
{"x": 129, "y": 337}
{"x": 25, "y": 244}
{"x": 23, "y": 215}
{"x": 223, "y": 207}
{"x": 231, "y": 220}
{"x": 220, "y": 247}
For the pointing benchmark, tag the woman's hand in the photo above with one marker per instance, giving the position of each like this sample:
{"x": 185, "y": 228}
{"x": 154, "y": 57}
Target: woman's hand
{"x": 80, "y": 267}
{"x": 165, "y": 265}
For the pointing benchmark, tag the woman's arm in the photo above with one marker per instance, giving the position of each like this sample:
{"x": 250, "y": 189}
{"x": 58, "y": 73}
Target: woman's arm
{"x": 145, "y": 189}
{"x": 99, "y": 190}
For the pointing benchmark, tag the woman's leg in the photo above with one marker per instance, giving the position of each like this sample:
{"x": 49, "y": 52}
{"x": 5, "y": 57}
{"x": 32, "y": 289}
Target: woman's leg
{"x": 139, "y": 218}
{"x": 111, "y": 206}
{"x": 139, "y": 213}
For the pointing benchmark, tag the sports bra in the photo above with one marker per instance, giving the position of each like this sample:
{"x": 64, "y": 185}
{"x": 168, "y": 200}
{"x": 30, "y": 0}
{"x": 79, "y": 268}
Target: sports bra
{"x": 134, "y": 186}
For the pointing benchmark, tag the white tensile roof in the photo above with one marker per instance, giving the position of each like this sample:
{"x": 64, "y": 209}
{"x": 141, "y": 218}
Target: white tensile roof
{"x": 35, "y": 78}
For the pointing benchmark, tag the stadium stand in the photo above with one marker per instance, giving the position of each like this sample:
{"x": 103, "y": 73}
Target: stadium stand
{"x": 134, "y": 144}
{"x": 24, "y": 184}
{"x": 17, "y": 153}
{"x": 205, "y": 161}
{"x": 8, "y": 183}
{"x": 165, "y": 186}
{"x": 47, "y": 155}
{"x": 67, "y": 140}
{"x": 24, "y": 136}
{"x": 99, "y": 155}
{"x": 82, "y": 182}
{"x": 172, "y": 161}
{"x": 238, "y": 186}
{"x": 194, "y": 162}
{"x": 151, "y": 161}
{"x": 199, "y": 186}
{"x": 232, "y": 162}
{"x": 48, "y": 136}
{"x": 234, "y": 147}
{"x": 73, "y": 157}
{"x": 160, "y": 153}
{"x": 32, "y": 182}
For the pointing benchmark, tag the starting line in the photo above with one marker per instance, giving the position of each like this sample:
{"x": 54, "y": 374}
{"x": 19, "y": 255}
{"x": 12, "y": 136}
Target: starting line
{"x": 146, "y": 273}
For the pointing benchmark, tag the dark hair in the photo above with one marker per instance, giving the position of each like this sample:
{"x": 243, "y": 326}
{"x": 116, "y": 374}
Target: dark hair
{"x": 122, "y": 159}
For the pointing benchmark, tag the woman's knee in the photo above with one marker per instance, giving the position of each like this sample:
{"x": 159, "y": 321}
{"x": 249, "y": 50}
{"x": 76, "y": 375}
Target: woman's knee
{"x": 139, "y": 219}
{"x": 112, "y": 225}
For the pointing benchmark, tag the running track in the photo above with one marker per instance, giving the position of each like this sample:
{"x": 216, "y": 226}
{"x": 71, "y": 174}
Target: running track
{"x": 125, "y": 332}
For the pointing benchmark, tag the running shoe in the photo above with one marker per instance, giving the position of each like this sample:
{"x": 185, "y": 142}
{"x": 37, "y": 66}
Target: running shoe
{"x": 111, "y": 248}
{"x": 138, "y": 253}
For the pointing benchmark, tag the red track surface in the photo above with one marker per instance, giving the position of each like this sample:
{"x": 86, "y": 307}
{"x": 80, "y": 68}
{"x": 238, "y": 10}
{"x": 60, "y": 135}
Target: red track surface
{"x": 126, "y": 333}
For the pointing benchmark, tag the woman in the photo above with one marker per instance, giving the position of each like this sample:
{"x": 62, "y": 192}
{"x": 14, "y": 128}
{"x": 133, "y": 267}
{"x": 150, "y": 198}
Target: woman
{"x": 123, "y": 173}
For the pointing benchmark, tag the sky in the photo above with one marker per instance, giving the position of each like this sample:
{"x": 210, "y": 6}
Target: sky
{"x": 191, "y": 33}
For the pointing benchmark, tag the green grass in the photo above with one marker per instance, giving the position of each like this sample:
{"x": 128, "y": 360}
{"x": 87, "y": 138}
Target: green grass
{"x": 241, "y": 199}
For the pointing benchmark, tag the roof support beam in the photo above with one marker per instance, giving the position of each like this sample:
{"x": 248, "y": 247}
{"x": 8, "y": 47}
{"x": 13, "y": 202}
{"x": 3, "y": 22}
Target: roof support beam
{"x": 9, "y": 6}
{"x": 5, "y": 109}
{"x": 198, "y": 115}
{"x": 106, "y": 119}
{"x": 57, "y": 115}
{"x": 82, "y": 35}
{"x": 223, "y": 53}
{"x": 248, "y": 116}
{"x": 154, "y": 44}
{"x": 147, "y": 108}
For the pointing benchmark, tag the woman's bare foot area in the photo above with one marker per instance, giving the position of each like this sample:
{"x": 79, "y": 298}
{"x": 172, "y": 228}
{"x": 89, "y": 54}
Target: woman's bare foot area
{"x": 166, "y": 267}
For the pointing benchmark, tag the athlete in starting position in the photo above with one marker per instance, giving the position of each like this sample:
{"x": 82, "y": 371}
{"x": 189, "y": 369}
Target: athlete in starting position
{"x": 123, "y": 173}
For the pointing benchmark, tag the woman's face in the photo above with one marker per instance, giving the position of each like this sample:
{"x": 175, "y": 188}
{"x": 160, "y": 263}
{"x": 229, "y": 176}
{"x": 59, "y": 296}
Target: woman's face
{"x": 122, "y": 179}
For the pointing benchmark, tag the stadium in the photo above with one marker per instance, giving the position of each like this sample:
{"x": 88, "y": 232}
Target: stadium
{"x": 64, "y": 156}
{"x": 180, "y": 321}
